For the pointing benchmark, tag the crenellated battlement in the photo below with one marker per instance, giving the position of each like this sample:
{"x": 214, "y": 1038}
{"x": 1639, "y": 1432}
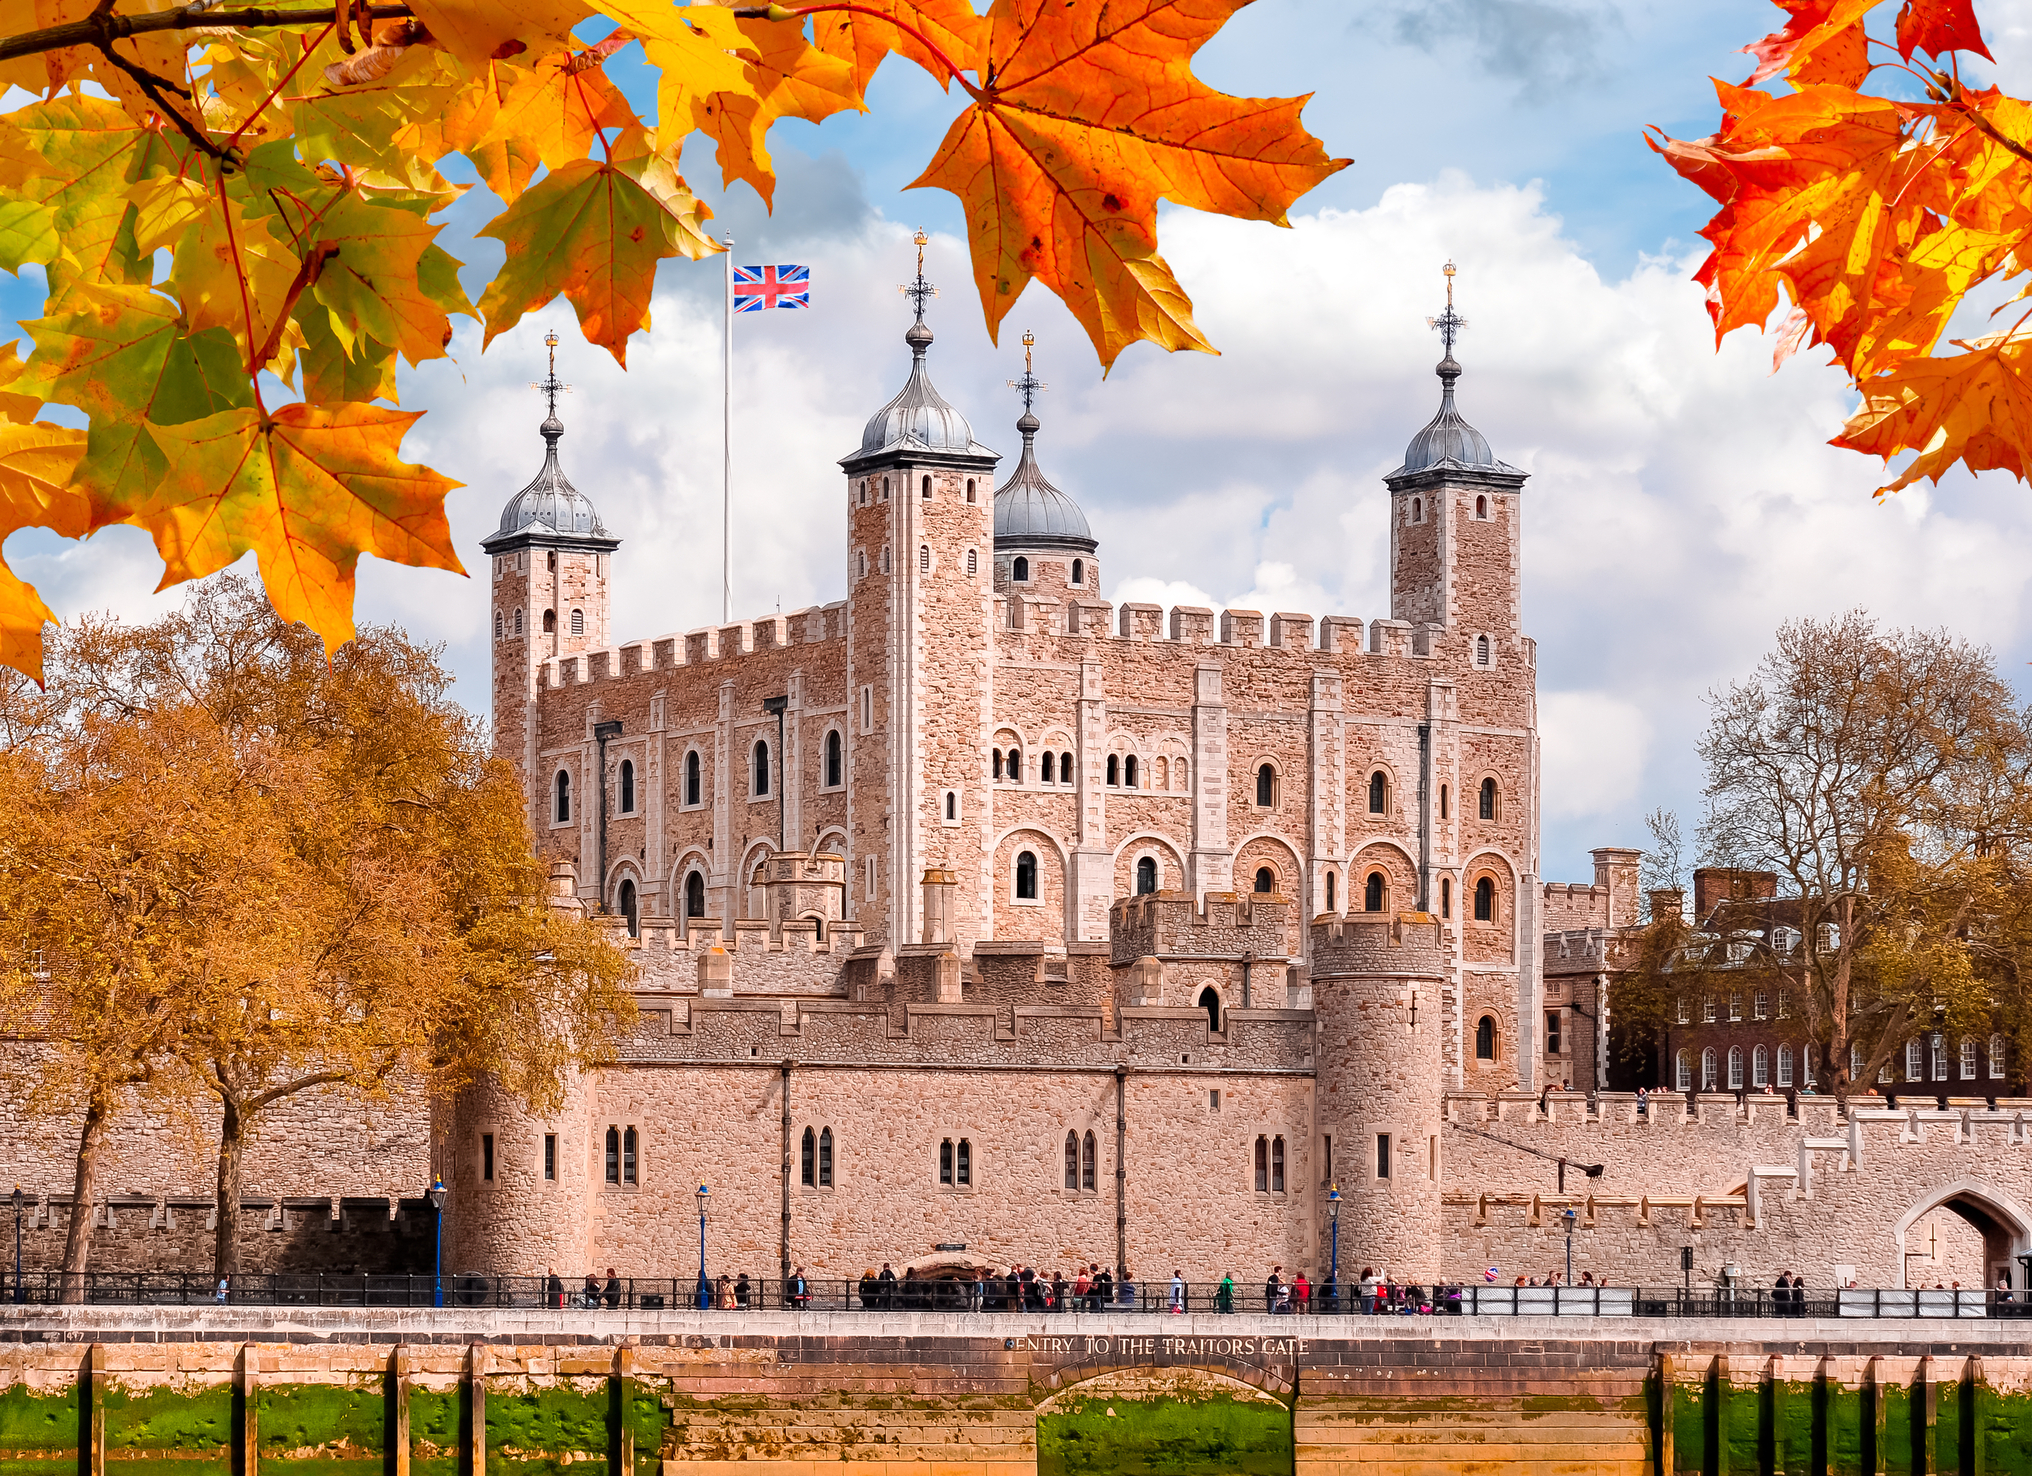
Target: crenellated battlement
{"x": 1360, "y": 943}
{"x": 1170, "y": 925}
{"x": 813, "y": 626}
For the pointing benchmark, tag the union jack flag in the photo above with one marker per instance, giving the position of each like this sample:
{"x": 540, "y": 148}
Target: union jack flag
{"x": 757, "y": 288}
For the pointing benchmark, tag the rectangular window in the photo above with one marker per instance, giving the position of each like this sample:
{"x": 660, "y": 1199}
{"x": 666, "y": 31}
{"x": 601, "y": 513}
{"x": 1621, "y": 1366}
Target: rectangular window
{"x": 1552, "y": 1032}
{"x": 487, "y": 1157}
{"x": 1996, "y": 1057}
{"x": 1915, "y": 1061}
{"x": 869, "y": 867}
{"x": 1326, "y": 1154}
{"x": 1785, "y": 1066}
{"x": 1707, "y": 1011}
{"x": 1680, "y": 1010}
{"x": 628, "y": 1156}
{"x": 1784, "y": 1004}
{"x": 1213, "y": 1099}
{"x": 550, "y": 1155}
{"x": 1760, "y": 1006}
{"x": 867, "y": 709}
{"x": 1735, "y": 1007}
{"x": 1939, "y": 1058}
{"x": 1382, "y": 1155}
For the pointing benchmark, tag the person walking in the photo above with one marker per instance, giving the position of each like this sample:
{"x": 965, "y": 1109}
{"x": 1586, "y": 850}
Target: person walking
{"x": 1177, "y": 1292}
{"x": 1368, "y": 1288}
{"x": 1271, "y": 1288}
{"x": 1224, "y": 1294}
{"x": 1301, "y": 1294}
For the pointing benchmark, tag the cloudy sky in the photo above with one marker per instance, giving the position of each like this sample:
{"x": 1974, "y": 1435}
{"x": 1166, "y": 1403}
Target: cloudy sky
{"x": 1682, "y": 503}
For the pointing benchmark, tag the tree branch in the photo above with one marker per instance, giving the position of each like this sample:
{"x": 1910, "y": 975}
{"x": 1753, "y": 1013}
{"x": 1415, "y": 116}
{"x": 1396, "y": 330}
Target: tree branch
{"x": 95, "y": 30}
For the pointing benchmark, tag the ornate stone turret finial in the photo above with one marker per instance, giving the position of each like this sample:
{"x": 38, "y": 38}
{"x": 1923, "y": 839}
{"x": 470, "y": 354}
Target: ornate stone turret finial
{"x": 1029, "y": 386}
{"x": 550, "y": 385}
{"x": 919, "y": 292}
{"x": 1449, "y": 324}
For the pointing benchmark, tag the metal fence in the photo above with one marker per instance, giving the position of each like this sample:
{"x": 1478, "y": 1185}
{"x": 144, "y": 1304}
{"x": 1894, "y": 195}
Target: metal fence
{"x": 995, "y": 1296}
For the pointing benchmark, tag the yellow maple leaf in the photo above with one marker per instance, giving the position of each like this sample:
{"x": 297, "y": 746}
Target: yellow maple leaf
{"x": 515, "y": 118}
{"x": 1091, "y": 114}
{"x": 36, "y": 461}
{"x": 919, "y": 26}
{"x": 309, "y": 489}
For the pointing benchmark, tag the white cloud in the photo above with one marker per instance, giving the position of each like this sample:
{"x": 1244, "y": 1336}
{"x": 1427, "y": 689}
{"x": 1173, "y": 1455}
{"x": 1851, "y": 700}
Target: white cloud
{"x": 1594, "y": 746}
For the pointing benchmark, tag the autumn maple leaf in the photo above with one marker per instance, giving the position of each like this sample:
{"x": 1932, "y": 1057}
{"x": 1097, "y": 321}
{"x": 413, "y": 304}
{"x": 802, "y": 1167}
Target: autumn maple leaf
{"x": 1088, "y": 116}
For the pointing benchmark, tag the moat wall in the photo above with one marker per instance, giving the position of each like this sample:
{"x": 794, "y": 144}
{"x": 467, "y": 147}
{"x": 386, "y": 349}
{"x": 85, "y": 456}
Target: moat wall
{"x": 227, "y": 1392}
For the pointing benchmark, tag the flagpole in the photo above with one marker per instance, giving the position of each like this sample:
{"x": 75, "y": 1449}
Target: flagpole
{"x": 727, "y": 460}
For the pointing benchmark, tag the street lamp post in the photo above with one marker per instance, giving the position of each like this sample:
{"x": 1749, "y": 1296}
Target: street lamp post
{"x": 1333, "y": 1220}
{"x": 705, "y": 1290}
{"x": 1567, "y": 1218}
{"x": 19, "y": 1294}
{"x": 436, "y": 1195}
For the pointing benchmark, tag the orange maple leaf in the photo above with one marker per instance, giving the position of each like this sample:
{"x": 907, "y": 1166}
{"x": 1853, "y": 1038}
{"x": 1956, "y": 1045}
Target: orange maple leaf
{"x": 1974, "y": 407}
{"x": 1088, "y": 115}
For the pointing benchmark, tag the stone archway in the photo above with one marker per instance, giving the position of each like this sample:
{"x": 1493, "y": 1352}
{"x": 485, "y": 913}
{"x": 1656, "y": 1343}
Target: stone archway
{"x": 2005, "y": 1227}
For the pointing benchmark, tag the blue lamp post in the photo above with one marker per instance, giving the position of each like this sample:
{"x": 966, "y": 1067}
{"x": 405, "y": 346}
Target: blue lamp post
{"x": 436, "y": 1195}
{"x": 705, "y": 1290}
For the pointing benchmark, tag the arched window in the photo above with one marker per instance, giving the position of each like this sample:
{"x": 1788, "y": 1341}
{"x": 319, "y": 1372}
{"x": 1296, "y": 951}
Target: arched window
{"x": 1482, "y": 507}
{"x": 1442, "y": 802}
{"x": 1996, "y": 1057}
{"x": 578, "y": 622}
{"x": 1047, "y": 766}
{"x": 927, "y": 489}
{"x": 861, "y": 559}
{"x": 1485, "y": 1038}
{"x": 761, "y": 768}
{"x": 563, "y": 808}
{"x": 973, "y": 559}
{"x": 970, "y": 498}
{"x": 1262, "y": 1164}
{"x": 497, "y": 625}
{"x": 1446, "y": 896}
{"x": 863, "y": 494}
{"x": 1089, "y": 1163}
{"x": 1020, "y": 570}
{"x": 1129, "y": 772}
{"x": 1079, "y": 571}
{"x": 1146, "y": 876}
{"x": 627, "y": 786}
{"x": 952, "y": 804}
{"x": 1277, "y": 1165}
{"x": 945, "y": 1161}
{"x": 924, "y": 558}
{"x": 1682, "y": 1072}
{"x": 1708, "y": 1076}
{"x": 1330, "y": 893}
{"x": 1488, "y": 805}
{"x": 996, "y": 762}
{"x": 695, "y": 895}
{"x": 1072, "y": 1161}
{"x": 613, "y": 1155}
{"x": 1114, "y": 771}
{"x": 807, "y": 1160}
{"x": 1784, "y": 1065}
{"x": 1015, "y": 766}
{"x": 1377, "y": 785}
{"x": 1026, "y": 876}
{"x": 1417, "y": 509}
{"x": 1065, "y": 774}
{"x": 1266, "y": 786}
{"x": 885, "y": 489}
{"x": 518, "y": 622}
{"x": 550, "y": 622}
{"x": 691, "y": 778}
{"x": 963, "y": 1163}
{"x": 825, "y": 1158}
{"x": 1372, "y": 892}
{"x": 1210, "y": 1001}
{"x": 630, "y": 910}
{"x": 1485, "y": 899}
{"x": 1481, "y": 650}
{"x": 1266, "y": 879}
{"x": 832, "y": 759}
{"x": 628, "y": 1157}
{"x": 1735, "y": 1068}
{"x": 1760, "y": 1067}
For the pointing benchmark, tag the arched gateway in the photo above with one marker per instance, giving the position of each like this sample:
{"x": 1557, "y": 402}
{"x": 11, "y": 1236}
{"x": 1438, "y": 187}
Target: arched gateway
{"x": 1999, "y": 1219}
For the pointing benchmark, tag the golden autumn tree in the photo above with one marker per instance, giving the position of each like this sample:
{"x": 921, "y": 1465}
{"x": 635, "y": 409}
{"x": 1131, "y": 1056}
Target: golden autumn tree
{"x": 1873, "y": 197}
{"x": 388, "y": 922}
{"x": 285, "y": 158}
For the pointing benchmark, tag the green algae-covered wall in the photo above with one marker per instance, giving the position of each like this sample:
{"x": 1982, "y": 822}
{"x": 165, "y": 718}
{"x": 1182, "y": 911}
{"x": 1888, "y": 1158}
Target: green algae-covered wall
{"x": 39, "y": 1431}
{"x": 1213, "y": 1436}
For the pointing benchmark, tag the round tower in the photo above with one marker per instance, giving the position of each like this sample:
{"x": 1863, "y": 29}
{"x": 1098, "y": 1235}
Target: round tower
{"x": 1376, "y": 1007}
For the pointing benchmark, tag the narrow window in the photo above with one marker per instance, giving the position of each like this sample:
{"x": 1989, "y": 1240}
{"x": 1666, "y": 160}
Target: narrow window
{"x": 487, "y": 1157}
{"x": 1026, "y": 876}
{"x": 963, "y": 1163}
{"x": 1211, "y": 1003}
{"x": 867, "y": 709}
{"x": 1079, "y": 570}
{"x": 997, "y": 762}
{"x": 550, "y": 622}
{"x": 1417, "y": 509}
{"x": 870, "y": 869}
{"x": 885, "y": 558}
{"x": 1382, "y": 1155}
{"x": 924, "y": 558}
{"x": 1760, "y": 1005}
{"x": 1329, "y": 892}
{"x": 1784, "y": 1004}
{"x": 1806, "y": 1060}
{"x": 630, "y": 910}
{"x": 761, "y": 768}
{"x": 825, "y": 1158}
{"x": 832, "y": 759}
{"x": 1707, "y": 1009}
{"x": 1482, "y": 508}
{"x": 1760, "y": 1067}
{"x": 1996, "y": 1057}
{"x": 1485, "y": 1038}
{"x": 945, "y": 1161}
{"x": 1048, "y": 766}
{"x": 1072, "y": 1161}
{"x": 1939, "y": 1058}
{"x": 1376, "y": 787}
{"x": 1114, "y": 771}
{"x": 1785, "y": 1066}
{"x": 1262, "y": 1164}
{"x": 1442, "y": 802}
{"x": 973, "y": 558}
{"x": 550, "y": 1155}
{"x": 1146, "y": 876}
{"x": 1488, "y": 808}
{"x": 1326, "y": 1154}
{"x": 1266, "y": 879}
{"x": 1680, "y": 1011}
{"x": 497, "y": 625}
{"x": 1277, "y": 1165}
{"x": 1708, "y": 1078}
{"x": 1735, "y": 1007}
{"x": 1446, "y": 896}
{"x": 927, "y": 489}
{"x": 695, "y": 895}
{"x": 1485, "y": 900}
{"x": 1088, "y": 1163}
{"x": 1266, "y": 786}
{"x": 1015, "y": 766}
{"x": 807, "y": 1160}
{"x": 691, "y": 777}
{"x": 1735, "y": 1068}
{"x": 1065, "y": 768}
{"x": 627, "y": 786}
{"x": 1214, "y": 1099}
{"x": 1020, "y": 571}
{"x": 1372, "y": 892}
{"x": 1915, "y": 1061}
{"x": 553, "y": 562}
{"x": 1682, "y": 1072}
{"x": 1552, "y": 1033}
{"x": 613, "y": 1155}
{"x": 628, "y": 1156}
{"x": 578, "y": 622}
{"x": 885, "y": 489}
{"x": 518, "y": 622}
{"x": 861, "y": 562}
{"x": 952, "y": 805}
{"x": 970, "y": 498}
{"x": 1129, "y": 773}
{"x": 863, "y": 494}
{"x": 563, "y": 796}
